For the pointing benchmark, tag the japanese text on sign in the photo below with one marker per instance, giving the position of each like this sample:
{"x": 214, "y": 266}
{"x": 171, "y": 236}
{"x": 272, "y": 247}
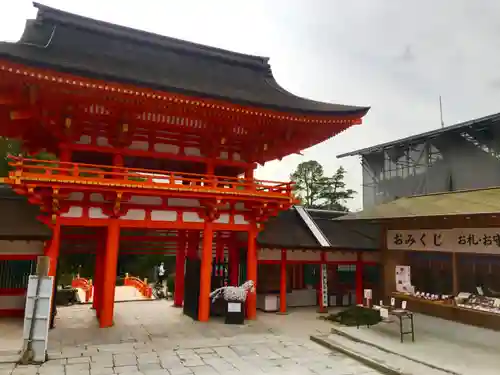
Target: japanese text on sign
{"x": 476, "y": 240}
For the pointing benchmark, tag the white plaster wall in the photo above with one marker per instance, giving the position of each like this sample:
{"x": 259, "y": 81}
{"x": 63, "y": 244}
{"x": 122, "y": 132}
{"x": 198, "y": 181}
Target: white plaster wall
{"x": 303, "y": 255}
{"x": 74, "y": 211}
{"x": 157, "y": 215}
{"x": 12, "y": 302}
{"x": 223, "y": 219}
{"x": 134, "y": 214}
{"x": 240, "y": 219}
{"x": 96, "y": 213}
{"x": 269, "y": 254}
{"x": 341, "y": 256}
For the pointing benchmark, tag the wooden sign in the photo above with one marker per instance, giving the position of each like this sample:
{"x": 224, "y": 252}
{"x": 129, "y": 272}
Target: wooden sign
{"x": 324, "y": 285}
{"x": 461, "y": 240}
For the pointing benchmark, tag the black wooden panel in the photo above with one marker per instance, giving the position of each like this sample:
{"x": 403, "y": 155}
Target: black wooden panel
{"x": 192, "y": 288}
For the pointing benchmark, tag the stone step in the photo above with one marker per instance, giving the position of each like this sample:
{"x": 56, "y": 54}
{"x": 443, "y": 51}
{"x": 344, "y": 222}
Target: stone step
{"x": 380, "y": 360}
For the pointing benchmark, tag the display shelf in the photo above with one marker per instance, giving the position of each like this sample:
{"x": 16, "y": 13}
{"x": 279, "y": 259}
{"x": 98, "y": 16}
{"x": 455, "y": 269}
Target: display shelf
{"x": 450, "y": 311}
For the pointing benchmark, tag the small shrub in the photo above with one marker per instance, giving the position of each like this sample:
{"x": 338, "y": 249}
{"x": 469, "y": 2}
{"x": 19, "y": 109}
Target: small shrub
{"x": 354, "y": 316}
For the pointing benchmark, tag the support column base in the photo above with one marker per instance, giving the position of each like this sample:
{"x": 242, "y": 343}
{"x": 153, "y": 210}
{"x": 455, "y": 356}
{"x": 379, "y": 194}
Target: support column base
{"x": 322, "y": 311}
{"x": 282, "y": 313}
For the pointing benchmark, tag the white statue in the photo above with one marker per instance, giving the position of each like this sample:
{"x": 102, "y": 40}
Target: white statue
{"x": 233, "y": 293}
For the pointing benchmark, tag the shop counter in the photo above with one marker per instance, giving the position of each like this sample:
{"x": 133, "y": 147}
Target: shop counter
{"x": 450, "y": 311}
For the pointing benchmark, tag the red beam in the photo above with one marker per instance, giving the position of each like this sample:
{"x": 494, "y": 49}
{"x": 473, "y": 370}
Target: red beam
{"x": 147, "y": 224}
{"x": 134, "y": 252}
{"x": 79, "y": 237}
{"x": 13, "y": 291}
{"x": 18, "y": 256}
{"x": 12, "y": 313}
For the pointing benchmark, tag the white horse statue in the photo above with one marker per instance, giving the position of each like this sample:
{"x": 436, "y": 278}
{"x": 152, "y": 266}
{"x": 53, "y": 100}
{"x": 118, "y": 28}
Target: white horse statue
{"x": 233, "y": 293}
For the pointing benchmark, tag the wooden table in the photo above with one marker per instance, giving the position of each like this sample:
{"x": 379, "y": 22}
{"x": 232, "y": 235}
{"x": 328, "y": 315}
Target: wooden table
{"x": 402, "y": 315}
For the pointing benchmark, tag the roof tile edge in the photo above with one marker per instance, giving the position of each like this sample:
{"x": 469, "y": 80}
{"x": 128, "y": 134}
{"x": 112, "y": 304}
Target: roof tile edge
{"x": 48, "y": 13}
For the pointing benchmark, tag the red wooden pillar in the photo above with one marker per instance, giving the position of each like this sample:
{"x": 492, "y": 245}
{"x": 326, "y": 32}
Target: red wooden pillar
{"x": 283, "y": 282}
{"x": 249, "y": 173}
{"x": 359, "y": 279}
{"x": 98, "y": 278}
{"x": 109, "y": 275}
{"x": 180, "y": 260}
{"x": 251, "y": 302}
{"x": 234, "y": 259}
{"x": 118, "y": 160}
{"x": 65, "y": 153}
{"x": 206, "y": 272}
{"x": 52, "y": 251}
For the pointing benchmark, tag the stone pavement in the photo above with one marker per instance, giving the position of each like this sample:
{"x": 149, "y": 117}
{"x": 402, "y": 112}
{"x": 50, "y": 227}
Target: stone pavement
{"x": 392, "y": 363}
{"x": 453, "y": 347}
{"x": 11, "y": 330}
{"x": 153, "y": 338}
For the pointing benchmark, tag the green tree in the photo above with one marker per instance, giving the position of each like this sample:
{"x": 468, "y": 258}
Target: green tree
{"x": 315, "y": 190}
{"x": 7, "y": 147}
{"x": 310, "y": 183}
{"x": 335, "y": 194}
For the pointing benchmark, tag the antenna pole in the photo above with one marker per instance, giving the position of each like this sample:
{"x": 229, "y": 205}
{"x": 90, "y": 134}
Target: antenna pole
{"x": 441, "y": 111}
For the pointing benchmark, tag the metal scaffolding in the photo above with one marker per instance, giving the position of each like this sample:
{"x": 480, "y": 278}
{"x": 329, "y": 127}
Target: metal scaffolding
{"x": 458, "y": 157}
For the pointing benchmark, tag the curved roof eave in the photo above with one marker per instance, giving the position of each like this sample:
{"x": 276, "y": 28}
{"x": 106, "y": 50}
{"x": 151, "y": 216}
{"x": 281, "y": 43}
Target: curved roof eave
{"x": 168, "y": 64}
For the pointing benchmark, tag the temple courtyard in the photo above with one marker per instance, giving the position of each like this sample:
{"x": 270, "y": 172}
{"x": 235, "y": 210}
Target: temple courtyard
{"x": 153, "y": 338}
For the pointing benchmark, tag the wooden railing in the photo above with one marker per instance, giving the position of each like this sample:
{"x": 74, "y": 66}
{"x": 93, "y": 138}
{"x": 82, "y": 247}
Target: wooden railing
{"x": 141, "y": 285}
{"x": 84, "y": 284}
{"x": 50, "y": 171}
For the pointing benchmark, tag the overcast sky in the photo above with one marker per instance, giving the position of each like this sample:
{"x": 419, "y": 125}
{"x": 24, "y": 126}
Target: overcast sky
{"x": 396, "y": 56}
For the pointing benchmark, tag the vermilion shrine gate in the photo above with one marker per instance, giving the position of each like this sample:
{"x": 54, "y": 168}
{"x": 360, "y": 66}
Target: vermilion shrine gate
{"x": 155, "y": 137}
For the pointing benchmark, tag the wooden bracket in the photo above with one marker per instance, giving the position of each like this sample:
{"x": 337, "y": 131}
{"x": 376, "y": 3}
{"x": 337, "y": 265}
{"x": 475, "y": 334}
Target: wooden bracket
{"x": 117, "y": 205}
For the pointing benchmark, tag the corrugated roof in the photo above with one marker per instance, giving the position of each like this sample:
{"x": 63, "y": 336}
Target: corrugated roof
{"x": 482, "y": 121}
{"x": 467, "y": 202}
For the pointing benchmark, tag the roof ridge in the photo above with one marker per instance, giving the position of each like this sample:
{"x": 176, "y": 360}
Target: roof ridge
{"x": 447, "y": 193}
{"x": 419, "y": 136}
{"x": 99, "y": 26}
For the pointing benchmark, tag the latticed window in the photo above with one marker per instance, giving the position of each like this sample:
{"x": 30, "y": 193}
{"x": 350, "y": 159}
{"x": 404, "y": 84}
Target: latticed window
{"x": 14, "y": 274}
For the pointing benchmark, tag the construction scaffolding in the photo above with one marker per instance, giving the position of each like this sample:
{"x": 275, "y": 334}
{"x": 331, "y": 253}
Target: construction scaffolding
{"x": 458, "y": 157}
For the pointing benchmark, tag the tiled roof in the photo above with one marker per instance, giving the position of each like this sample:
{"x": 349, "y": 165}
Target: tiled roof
{"x": 96, "y": 49}
{"x": 467, "y": 202}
